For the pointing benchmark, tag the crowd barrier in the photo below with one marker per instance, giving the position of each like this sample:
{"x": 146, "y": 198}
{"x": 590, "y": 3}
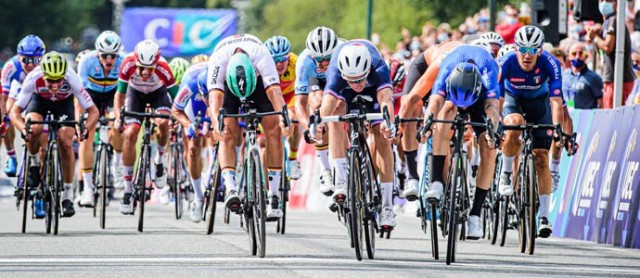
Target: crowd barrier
{"x": 597, "y": 198}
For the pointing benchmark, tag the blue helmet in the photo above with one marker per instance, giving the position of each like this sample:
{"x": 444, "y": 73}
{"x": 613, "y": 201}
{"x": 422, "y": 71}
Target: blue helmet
{"x": 31, "y": 45}
{"x": 464, "y": 85}
{"x": 278, "y": 46}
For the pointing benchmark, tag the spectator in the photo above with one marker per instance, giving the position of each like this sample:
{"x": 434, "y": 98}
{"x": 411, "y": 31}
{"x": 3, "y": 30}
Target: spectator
{"x": 582, "y": 88}
{"x": 561, "y": 56}
{"x": 444, "y": 29}
{"x": 509, "y": 25}
{"x": 604, "y": 38}
{"x": 635, "y": 93}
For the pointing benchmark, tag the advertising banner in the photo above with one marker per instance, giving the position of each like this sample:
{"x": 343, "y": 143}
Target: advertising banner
{"x": 179, "y": 32}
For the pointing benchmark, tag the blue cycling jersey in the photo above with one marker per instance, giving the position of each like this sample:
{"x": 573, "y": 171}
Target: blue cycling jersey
{"x": 306, "y": 68}
{"x": 544, "y": 80}
{"x": 193, "y": 88}
{"x": 470, "y": 54}
{"x": 378, "y": 78}
{"x": 93, "y": 76}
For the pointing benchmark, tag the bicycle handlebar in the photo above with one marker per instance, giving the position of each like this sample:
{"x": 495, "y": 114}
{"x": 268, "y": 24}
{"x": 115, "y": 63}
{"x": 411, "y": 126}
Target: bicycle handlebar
{"x": 531, "y": 127}
{"x": 254, "y": 115}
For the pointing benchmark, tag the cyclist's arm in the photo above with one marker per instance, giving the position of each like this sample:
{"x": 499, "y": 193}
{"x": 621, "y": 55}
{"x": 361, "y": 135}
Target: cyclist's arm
{"x": 384, "y": 99}
{"x": 557, "y": 113}
{"x": 274, "y": 94}
{"x": 179, "y": 104}
{"x": 118, "y": 100}
{"x": 302, "y": 109}
{"x": 567, "y": 125}
{"x": 216, "y": 99}
{"x": 21, "y": 102}
{"x": 329, "y": 103}
{"x": 419, "y": 91}
{"x": 491, "y": 108}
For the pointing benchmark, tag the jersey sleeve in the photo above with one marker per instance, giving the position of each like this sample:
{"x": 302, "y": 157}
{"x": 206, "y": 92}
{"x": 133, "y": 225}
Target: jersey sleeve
{"x": 217, "y": 71}
{"x": 28, "y": 88}
{"x": 8, "y": 71}
{"x": 302, "y": 76}
{"x": 382, "y": 77}
{"x": 555, "y": 76}
{"x": 335, "y": 83}
{"x": 440, "y": 83}
{"x": 266, "y": 67}
{"x": 84, "y": 68}
{"x": 185, "y": 93}
{"x": 82, "y": 96}
{"x": 490, "y": 75}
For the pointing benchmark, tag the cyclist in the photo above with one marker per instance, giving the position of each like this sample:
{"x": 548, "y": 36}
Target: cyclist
{"x": 232, "y": 76}
{"x": 532, "y": 83}
{"x": 30, "y": 49}
{"x": 199, "y": 58}
{"x": 495, "y": 41}
{"x": 98, "y": 70}
{"x": 280, "y": 49}
{"x": 311, "y": 77}
{"x": 467, "y": 83}
{"x": 360, "y": 70}
{"x": 51, "y": 87}
{"x": 422, "y": 74}
{"x": 145, "y": 78}
{"x": 398, "y": 78}
{"x": 190, "y": 101}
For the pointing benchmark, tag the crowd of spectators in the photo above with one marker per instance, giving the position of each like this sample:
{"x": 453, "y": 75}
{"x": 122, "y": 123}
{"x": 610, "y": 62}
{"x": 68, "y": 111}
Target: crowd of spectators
{"x": 587, "y": 54}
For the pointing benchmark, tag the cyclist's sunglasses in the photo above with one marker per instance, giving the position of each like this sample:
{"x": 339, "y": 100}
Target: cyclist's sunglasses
{"x": 281, "y": 59}
{"x": 30, "y": 59}
{"x": 357, "y": 81}
{"x": 52, "y": 81}
{"x": 107, "y": 55}
{"x": 322, "y": 58}
{"x": 531, "y": 50}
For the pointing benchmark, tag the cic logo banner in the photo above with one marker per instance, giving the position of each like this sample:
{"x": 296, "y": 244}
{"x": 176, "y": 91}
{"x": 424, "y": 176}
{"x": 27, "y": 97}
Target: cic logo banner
{"x": 179, "y": 32}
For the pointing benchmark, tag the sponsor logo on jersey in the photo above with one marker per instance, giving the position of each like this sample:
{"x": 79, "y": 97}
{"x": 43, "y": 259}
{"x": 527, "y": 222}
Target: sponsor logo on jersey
{"x": 214, "y": 74}
{"x": 97, "y": 69}
{"x": 557, "y": 92}
{"x": 515, "y": 79}
{"x": 536, "y": 79}
{"x": 491, "y": 94}
{"x": 65, "y": 87}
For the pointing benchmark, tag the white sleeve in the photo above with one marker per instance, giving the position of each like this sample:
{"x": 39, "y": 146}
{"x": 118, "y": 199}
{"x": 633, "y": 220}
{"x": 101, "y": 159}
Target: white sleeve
{"x": 266, "y": 67}
{"x": 28, "y": 88}
{"x": 78, "y": 89}
{"x": 14, "y": 89}
{"x": 217, "y": 70}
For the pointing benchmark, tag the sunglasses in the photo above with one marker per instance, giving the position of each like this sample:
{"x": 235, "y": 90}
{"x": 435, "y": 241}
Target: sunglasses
{"x": 357, "y": 81}
{"x": 108, "y": 55}
{"x": 53, "y": 81}
{"x": 30, "y": 59}
{"x": 576, "y": 53}
{"x": 281, "y": 59}
{"x": 322, "y": 58}
{"x": 531, "y": 50}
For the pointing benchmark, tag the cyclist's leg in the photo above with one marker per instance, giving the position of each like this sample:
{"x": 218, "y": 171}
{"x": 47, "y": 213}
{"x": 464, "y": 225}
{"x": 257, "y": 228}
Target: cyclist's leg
{"x": 556, "y": 152}
{"x": 441, "y": 139}
{"x": 133, "y": 103}
{"x": 322, "y": 148}
{"x": 337, "y": 143}
{"x": 383, "y": 153}
{"x": 227, "y": 148}
{"x": 410, "y": 150}
{"x": 161, "y": 105}
{"x": 294, "y": 140}
{"x": 86, "y": 157}
{"x": 67, "y": 158}
{"x": 512, "y": 115}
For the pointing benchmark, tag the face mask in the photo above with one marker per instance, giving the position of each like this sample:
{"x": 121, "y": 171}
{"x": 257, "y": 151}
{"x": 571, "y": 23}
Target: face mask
{"x": 606, "y": 8}
{"x": 471, "y": 30}
{"x": 512, "y": 20}
{"x": 577, "y": 63}
{"x": 636, "y": 67}
{"x": 443, "y": 37}
{"x": 577, "y": 28}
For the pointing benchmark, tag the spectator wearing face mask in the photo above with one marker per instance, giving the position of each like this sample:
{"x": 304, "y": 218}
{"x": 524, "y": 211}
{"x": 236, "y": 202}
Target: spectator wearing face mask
{"x": 509, "y": 24}
{"x": 582, "y": 88}
{"x": 444, "y": 29}
{"x": 604, "y": 38}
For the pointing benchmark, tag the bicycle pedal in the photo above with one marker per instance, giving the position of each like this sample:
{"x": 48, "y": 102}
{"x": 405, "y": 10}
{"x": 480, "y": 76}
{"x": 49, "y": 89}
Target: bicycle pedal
{"x": 334, "y": 207}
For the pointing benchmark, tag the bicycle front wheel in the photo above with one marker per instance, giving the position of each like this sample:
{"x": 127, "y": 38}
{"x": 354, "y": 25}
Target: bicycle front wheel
{"x": 141, "y": 184}
{"x": 25, "y": 193}
{"x": 532, "y": 209}
{"x": 368, "y": 194}
{"x": 258, "y": 192}
{"x": 104, "y": 185}
{"x": 214, "y": 185}
{"x": 283, "y": 197}
{"x": 453, "y": 212}
{"x": 55, "y": 194}
{"x": 353, "y": 203}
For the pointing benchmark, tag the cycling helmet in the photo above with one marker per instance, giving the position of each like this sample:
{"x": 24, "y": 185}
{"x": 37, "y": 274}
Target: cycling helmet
{"x": 484, "y": 45}
{"x": 529, "y": 36}
{"x": 54, "y": 65}
{"x": 241, "y": 76}
{"x": 31, "y": 45}
{"x": 108, "y": 42}
{"x": 147, "y": 53}
{"x": 464, "y": 85}
{"x": 493, "y": 37}
{"x": 506, "y": 49}
{"x": 178, "y": 67}
{"x": 354, "y": 62}
{"x": 278, "y": 46}
{"x": 321, "y": 42}
{"x": 81, "y": 54}
{"x": 199, "y": 58}
{"x": 397, "y": 71}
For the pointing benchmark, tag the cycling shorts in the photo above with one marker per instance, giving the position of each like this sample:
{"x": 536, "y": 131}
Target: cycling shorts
{"x": 348, "y": 95}
{"x": 63, "y": 109}
{"x": 259, "y": 97}
{"x": 104, "y": 101}
{"x": 316, "y": 84}
{"x": 137, "y": 101}
{"x": 536, "y": 111}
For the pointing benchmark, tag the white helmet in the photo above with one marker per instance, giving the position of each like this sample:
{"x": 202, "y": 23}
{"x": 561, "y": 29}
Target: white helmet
{"x": 322, "y": 41}
{"x": 147, "y": 53}
{"x": 354, "y": 62}
{"x": 108, "y": 42}
{"x": 484, "y": 45}
{"x": 493, "y": 37}
{"x": 504, "y": 50}
{"x": 529, "y": 36}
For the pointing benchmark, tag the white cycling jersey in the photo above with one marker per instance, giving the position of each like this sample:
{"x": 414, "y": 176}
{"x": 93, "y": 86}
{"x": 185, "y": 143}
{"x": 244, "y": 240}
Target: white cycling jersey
{"x": 258, "y": 53}
{"x": 71, "y": 86}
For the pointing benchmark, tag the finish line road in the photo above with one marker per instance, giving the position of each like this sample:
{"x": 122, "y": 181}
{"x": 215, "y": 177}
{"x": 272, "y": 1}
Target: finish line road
{"x": 315, "y": 245}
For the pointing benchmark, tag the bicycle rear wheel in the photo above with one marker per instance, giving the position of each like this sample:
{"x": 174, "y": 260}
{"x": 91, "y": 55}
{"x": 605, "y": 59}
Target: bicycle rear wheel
{"x": 453, "y": 213}
{"x": 284, "y": 198}
{"x": 434, "y": 231}
{"x": 532, "y": 207}
{"x": 522, "y": 207}
{"x": 55, "y": 194}
{"x": 503, "y": 218}
{"x": 26, "y": 191}
{"x": 368, "y": 192}
{"x": 354, "y": 211}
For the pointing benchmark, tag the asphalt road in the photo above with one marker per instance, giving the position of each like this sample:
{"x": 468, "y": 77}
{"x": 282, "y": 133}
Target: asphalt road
{"x": 315, "y": 245}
